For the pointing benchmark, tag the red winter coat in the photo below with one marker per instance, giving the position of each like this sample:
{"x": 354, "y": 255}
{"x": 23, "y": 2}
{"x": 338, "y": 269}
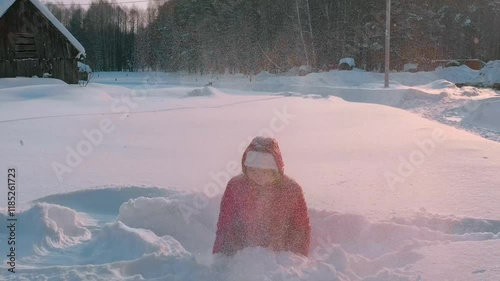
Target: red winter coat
{"x": 272, "y": 217}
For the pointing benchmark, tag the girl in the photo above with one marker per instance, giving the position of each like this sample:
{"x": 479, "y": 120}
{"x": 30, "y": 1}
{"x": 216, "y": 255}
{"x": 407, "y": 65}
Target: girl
{"x": 262, "y": 206}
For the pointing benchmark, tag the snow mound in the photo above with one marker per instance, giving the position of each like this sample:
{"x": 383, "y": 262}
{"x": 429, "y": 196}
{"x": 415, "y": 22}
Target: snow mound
{"x": 6, "y": 83}
{"x": 348, "y": 61}
{"x": 264, "y": 75}
{"x": 456, "y": 74}
{"x": 83, "y": 67}
{"x": 468, "y": 91}
{"x": 179, "y": 218}
{"x": 295, "y": 94}
{"x": 204, "y": 92}
{"x": 313, "y": 96}
{"x": 116, "y": 241}
{"x": 347, "y": 78}
{"x": 261, "y": 264}
{"x": 46, "y": 227}
{"x": 105, "y": 200}
{"x": 148, "y": 267}
{"x": 440, "y": 84}
{"x": 289, "y": 94}
{"x": 485, "y": 116}
{"x": 450, "y": 224}
{"x": 489, "y": 74}
{"x": 46, "y": 94}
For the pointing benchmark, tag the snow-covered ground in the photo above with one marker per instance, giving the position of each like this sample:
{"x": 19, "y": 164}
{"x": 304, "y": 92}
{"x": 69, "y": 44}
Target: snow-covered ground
{"x": 122, "y": 180}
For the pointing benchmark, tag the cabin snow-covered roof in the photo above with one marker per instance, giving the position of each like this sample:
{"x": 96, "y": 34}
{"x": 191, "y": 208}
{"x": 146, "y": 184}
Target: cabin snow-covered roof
{"x": 6, "y": 4}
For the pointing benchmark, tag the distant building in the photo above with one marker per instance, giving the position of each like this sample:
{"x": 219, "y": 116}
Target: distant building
{"x": 33, "y": 42}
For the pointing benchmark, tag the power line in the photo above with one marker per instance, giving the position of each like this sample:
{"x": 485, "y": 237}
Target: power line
{"x": 111, "y": 3}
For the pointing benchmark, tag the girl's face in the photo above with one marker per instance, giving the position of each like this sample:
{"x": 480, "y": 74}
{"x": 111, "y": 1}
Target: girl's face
{"x": 261, "y": 176}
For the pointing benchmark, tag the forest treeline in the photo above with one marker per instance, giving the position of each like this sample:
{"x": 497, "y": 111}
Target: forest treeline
{"x": 249, "y": 36}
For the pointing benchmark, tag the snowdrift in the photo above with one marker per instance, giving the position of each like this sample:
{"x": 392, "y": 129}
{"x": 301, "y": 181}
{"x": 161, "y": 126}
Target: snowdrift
{"x": 24, "y": 82}
{"x": 165, "y": 234}
{"x": 204, "y": 92}
{"x": 486, "y": 115}
{"x": 48, "y": 227}
{"x": 489, "y": 75}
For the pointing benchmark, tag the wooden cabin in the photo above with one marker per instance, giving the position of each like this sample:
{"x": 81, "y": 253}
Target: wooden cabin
{"x": 33, "y": 42}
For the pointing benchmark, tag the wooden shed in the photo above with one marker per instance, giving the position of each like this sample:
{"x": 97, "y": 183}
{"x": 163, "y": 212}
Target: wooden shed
{"x": 33, "y": 42}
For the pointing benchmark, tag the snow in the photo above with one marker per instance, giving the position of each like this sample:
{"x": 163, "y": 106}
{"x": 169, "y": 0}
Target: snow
{"x": 349, "y": 61}
{"x": 6, "y": 4}
{"x": 83, "y": 67}
{"x": 487, "y": 115}
{"x": 395, "y": 191}
{"x": 11, "y": 83}
{"x": 457, "y": 74}
{"x": 117, "y": 241}
{"x": 48, "y": 227}
{"x": 489, "y": 74}
{"x": 205, "y": 91}
{"x": 304, "y": 69}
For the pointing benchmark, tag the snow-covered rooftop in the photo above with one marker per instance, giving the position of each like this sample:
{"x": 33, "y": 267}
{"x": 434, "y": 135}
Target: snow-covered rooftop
{"x": 6, "y": 4}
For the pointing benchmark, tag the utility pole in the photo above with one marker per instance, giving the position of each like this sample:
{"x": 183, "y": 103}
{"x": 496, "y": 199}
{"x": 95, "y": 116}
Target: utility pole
{"x": 387, "y": 43}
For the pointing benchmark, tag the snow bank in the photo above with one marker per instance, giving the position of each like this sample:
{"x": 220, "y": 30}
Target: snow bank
{"x": 30, "y": 93}
{"x": 489, "y": 74}
{"x": 486, "y": 115}
{"x": 357, "y": 235}
{"x": 148, "y": 267}
{"x": 46, "y": 227}
{"x": 449, "y": 224}
{"x": 174, "y": 217}
{"x": 261, "y": 264}
{"x": 116, "y": 241}
{"x": 40, "y": 94}
{"x": 23, "y": 82}
{"x": 83, "y": 67}
{"x": 264, "y": 75}
{"x": 106, "y": 200}
{"x": 440, "y": 84}
{"x": 456, "y": 74}
{"x": 348, "y": 61}
{"x": 204, "y": 92}
{"x": 344, "y": 78}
